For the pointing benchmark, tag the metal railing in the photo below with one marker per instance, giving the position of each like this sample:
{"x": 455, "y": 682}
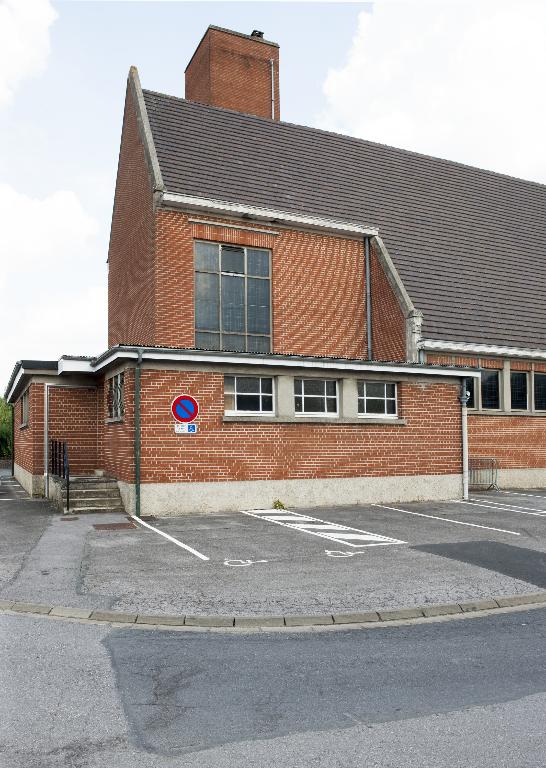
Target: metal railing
{"x": 483, "y": 473}
{"x": 60, "y": 465}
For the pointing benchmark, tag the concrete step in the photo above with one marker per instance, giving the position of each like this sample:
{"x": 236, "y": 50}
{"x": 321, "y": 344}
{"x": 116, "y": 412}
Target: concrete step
{"x": 94, "y": 502}
{"x": 102, "y": 493}
{"x": 96, "y": 510}
{"x": 77, "y": 485}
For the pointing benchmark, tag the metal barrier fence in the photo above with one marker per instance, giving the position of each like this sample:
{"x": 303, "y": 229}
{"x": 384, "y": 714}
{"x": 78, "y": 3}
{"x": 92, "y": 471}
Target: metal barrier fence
{"x": 60, "y": 465}
{"x": 483, "y": 473}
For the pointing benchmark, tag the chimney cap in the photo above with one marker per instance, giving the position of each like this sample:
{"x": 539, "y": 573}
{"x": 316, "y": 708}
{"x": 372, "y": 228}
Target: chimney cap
{"x": 257, "y": 33}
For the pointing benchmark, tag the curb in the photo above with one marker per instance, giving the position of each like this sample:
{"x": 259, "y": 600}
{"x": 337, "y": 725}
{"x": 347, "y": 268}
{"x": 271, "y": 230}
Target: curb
{"x": 288, "y": 622}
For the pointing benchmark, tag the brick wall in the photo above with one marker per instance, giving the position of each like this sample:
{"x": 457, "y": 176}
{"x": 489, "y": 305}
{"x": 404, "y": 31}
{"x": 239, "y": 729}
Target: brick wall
{"x": 116, "y": 438}
{"x": 234, "y": 72}
{"x": 318, "y": 291}
{"x": 29, "y": 440}
{"x": 131, "y": 310}
{"x": 388, "y": 321}
{"x": 515, "y": 441}
{"x": 429, "y": 444}
{"x": 73, "y": 418}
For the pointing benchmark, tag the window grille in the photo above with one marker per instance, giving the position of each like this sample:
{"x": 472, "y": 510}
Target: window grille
{"x": 115, "y": 397}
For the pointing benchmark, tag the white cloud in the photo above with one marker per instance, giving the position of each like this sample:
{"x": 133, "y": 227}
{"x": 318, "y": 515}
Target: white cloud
{"x": 461, "y": 80}
{"x": 52, "y": 279}
{"x": 24, "y": 42}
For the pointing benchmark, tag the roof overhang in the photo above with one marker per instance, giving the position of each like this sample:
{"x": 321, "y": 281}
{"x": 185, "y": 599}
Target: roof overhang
{"x": 160, "y": 354}
{"x": 265, "y": 215}
{"x": 494, "y": 350}
{"x": 25, "y": 369}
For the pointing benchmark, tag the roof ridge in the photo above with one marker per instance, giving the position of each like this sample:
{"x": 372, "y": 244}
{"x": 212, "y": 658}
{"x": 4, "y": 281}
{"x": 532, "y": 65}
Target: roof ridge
{"x": 356, "y": 139}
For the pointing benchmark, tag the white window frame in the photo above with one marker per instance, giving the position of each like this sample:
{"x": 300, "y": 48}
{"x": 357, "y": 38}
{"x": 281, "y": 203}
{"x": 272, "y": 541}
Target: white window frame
{"x": 117, "y": 413}
{"x": 364, "y": 398}
{"x": 528, "y": 392}
{"x": 533, "y": 391}
{"x": 260, "y": 412}
{"x": 322, "y": 414}
{"x": 25, "y": 408}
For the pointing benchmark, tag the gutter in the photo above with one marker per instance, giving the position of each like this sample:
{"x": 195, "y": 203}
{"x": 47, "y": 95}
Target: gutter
{"x": 500, "y": 350}
{"x": 270, "y": 215}
{"x": 463, "y": 397}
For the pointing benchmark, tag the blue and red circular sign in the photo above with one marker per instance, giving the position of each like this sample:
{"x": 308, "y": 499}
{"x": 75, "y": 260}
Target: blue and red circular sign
{"x": 184, "y": 408}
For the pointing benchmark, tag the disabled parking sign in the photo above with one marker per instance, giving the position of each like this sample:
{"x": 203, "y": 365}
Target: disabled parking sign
{"x": 184, "y": 409}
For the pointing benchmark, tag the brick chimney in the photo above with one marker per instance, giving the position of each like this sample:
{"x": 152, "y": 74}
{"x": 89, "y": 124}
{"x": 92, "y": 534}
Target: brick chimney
{"x": 235, "y": 71}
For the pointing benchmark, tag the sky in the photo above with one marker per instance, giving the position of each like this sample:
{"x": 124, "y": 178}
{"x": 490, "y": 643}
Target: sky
{"x": 456, "y": 79}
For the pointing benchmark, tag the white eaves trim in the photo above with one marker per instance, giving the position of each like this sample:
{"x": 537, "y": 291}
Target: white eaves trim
{"x": 74, "y": 366}
{"x": 273, "y": 362}
{"x": 482, "y": 349}
{"x": 265, "y": 214}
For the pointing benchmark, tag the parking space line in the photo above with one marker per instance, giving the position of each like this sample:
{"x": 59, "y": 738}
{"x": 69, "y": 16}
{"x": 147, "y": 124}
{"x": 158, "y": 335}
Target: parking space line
{"x": 511, "y": 506}
{"x": 531, "y": 495}
{"x": 500, "y": 509}
{"x": 447, "y": 520}
{"x": 170, "y": 538}
{"x": 343, "y": 534}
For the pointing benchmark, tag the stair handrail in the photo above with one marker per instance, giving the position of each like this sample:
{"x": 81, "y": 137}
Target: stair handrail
{"x": 60, "y": 465}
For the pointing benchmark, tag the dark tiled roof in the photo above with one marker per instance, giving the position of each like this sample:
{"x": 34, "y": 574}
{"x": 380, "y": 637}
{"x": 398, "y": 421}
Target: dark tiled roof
{"x": 469, "y": 244}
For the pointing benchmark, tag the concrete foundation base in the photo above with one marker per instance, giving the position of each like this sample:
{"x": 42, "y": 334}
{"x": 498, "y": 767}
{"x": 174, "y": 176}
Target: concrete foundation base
{"x": 522, "y": 478}
{"x": 33, "y": 484}
{"x": 166, "y": 499}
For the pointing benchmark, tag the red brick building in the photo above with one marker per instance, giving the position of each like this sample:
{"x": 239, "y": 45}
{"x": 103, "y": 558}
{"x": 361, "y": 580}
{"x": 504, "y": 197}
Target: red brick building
{"x": 321, "y": 298}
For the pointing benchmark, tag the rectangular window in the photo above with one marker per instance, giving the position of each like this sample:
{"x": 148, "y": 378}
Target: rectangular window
{"x": 24, "y": 408}
{"x": 248, "y": 394}
{"x": 540, "y": 391}
{"x": 518, "y": 391}
{"x": 471, "y": 389}
{"x": 490, "y": 389}
{"x": 232, "y": 298}
{"x": 115, "y": 397}
{"x": 315, "y": 397}
{"x": 376, "y": 398}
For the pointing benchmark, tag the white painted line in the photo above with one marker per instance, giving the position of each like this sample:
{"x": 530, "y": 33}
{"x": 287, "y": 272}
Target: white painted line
{"x": 500, "y": 509}
{"x": 511, "y": 506}
{"x": 515, "y": 493}
{"x": 170, "y": 538}
{"x": 326, "y": 530}
{"x": 447, "y": 520}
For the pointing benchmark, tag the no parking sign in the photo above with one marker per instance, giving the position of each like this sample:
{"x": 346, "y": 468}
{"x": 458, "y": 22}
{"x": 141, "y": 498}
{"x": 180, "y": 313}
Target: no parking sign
{"x": 185, "y": 409}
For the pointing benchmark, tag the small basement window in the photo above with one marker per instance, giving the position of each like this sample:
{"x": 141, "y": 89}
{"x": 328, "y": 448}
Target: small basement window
{"x": 25, "y": 408}
{"x": 376, "y": 398}
{"x": 540, "y": 391}
{"x": 518, "y": 391}
{"x": 315, "y": 397}
{"x": 115, "y": 404}
{"x": 248, "y": 394}
{"x": 490, "y": 390}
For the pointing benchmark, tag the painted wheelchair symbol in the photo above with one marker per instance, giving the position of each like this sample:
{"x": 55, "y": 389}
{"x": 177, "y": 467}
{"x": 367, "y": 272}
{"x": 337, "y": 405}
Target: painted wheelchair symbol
{"x": 242, "y": 563}
{"x": 341, "y": 553}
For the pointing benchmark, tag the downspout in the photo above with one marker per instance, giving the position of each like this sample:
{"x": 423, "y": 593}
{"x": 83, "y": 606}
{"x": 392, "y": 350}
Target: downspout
{"x": 137, "y": 433}
{"x": 463, "y": 397}
{"x": 368, "y": 298}
{"x": 272, "y": 64}
{"x": 46, "y": 441}
{"x": 13, "y": 440}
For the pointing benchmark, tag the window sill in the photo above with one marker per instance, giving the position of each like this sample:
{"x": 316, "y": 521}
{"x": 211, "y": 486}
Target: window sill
{"x": 524, "y": 414}
{"x": 313, "y": 420}
{"x": 117, "y": 420}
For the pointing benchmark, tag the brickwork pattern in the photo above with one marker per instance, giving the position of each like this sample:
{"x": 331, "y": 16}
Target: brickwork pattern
{"x": 234, "y": 72}
{"x": 131, "y": 310}
{"x": 429, "y": 444}
{"x": 517, "y": 442}
{"x": 29, "y": 440}
{"x": 388, "y": 321}
{"x": 73, "y": 418}
{"x": 117, "y": 437}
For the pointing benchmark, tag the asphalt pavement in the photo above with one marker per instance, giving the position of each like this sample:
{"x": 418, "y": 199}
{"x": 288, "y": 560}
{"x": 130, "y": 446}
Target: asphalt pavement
{"x": 466, "y": 693}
